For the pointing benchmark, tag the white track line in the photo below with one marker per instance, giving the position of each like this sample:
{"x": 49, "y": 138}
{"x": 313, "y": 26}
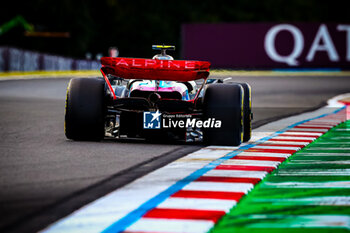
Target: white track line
{"x": 170, "y": 225}
{"x": 228, "y": 173}
{"x": 219, "y": 186}
{"x": 246, "y": 162}
{"x": 261, "y": 146}
{"x": 197, "y": 204}
{"x": 260, "y": 154}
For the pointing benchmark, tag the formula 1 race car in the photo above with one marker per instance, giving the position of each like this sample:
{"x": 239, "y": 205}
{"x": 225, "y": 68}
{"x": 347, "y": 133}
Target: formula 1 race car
{"x": 158, "y": 99}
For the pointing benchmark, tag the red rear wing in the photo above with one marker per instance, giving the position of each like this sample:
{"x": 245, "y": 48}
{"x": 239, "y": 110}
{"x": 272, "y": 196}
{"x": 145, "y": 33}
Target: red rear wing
{"x": 171, "y": 70}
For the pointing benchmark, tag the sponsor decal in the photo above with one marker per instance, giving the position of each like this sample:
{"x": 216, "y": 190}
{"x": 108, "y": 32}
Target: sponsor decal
{"x": 151, "y": 63}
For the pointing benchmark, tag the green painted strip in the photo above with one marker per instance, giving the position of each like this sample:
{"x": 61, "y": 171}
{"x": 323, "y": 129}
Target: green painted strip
{"x": 314, "y": 172}
{"x": 309, "y": 192}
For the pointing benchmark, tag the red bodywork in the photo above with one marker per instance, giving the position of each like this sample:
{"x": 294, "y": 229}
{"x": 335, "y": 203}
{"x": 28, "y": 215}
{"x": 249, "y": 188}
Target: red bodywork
{"x": 169, "y": 70}
{"x": 152, "y": 69}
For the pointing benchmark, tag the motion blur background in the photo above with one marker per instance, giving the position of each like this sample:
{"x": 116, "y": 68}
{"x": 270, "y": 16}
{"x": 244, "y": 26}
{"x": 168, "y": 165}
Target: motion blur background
{"x": 88, "y": 26}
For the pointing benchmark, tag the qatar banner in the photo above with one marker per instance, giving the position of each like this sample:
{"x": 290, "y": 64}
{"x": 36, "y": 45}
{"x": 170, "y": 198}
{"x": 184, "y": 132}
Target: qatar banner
{"x": 268, "y": 45}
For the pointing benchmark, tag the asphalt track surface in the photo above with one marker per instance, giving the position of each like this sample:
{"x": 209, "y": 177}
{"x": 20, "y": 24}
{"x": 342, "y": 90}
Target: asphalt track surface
{"x": 44, "y": 176}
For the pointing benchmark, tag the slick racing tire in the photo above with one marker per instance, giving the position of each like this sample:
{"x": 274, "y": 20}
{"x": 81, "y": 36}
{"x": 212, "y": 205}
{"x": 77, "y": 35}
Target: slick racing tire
{"x": 85, "y": 109}
{"x": 247, "y": 112}
{"x": 224, "y": 102}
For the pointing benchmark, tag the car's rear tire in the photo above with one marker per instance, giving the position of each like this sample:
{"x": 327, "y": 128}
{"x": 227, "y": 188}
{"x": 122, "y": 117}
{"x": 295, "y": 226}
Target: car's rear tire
{"x": 224, "y": 102}
{"x": 85, "y": 109}
{"x": 247, "y": 112}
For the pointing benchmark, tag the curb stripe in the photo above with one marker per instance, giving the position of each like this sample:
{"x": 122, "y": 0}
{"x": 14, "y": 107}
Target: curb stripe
{"x": 270, "y": 150}
{"x": 229, "y": 179}
{"x": 316, "y": 134}
{"x": 231, "y": 173}
{"x": 210, "y": 215}
{"x": 274, "y": 155}
{"x": 289, "y": 140}
{"x": 276, "y": 147}
{"x": 218, "y": 186}
{"x": 244, "y": 168}
{"x": 235, "y": 196}
{"x": 247, "y": 162}
{"x": 295, "y": 138}
{"x": 197, "y": 203}
{"x": 280, "y": 144}
{"x": 298, "y": 136}
{"x": 264, "y": 154}
{"x": 265, "y": 158}
{"x": 291, "y": 143}
{"x": 308, "y": 130}
{"x": 311, "y": 127}
{"x": 154, "y": 225}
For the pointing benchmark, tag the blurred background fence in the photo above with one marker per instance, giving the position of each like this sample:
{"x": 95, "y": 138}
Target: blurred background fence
{"x": 13, "y": 59}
